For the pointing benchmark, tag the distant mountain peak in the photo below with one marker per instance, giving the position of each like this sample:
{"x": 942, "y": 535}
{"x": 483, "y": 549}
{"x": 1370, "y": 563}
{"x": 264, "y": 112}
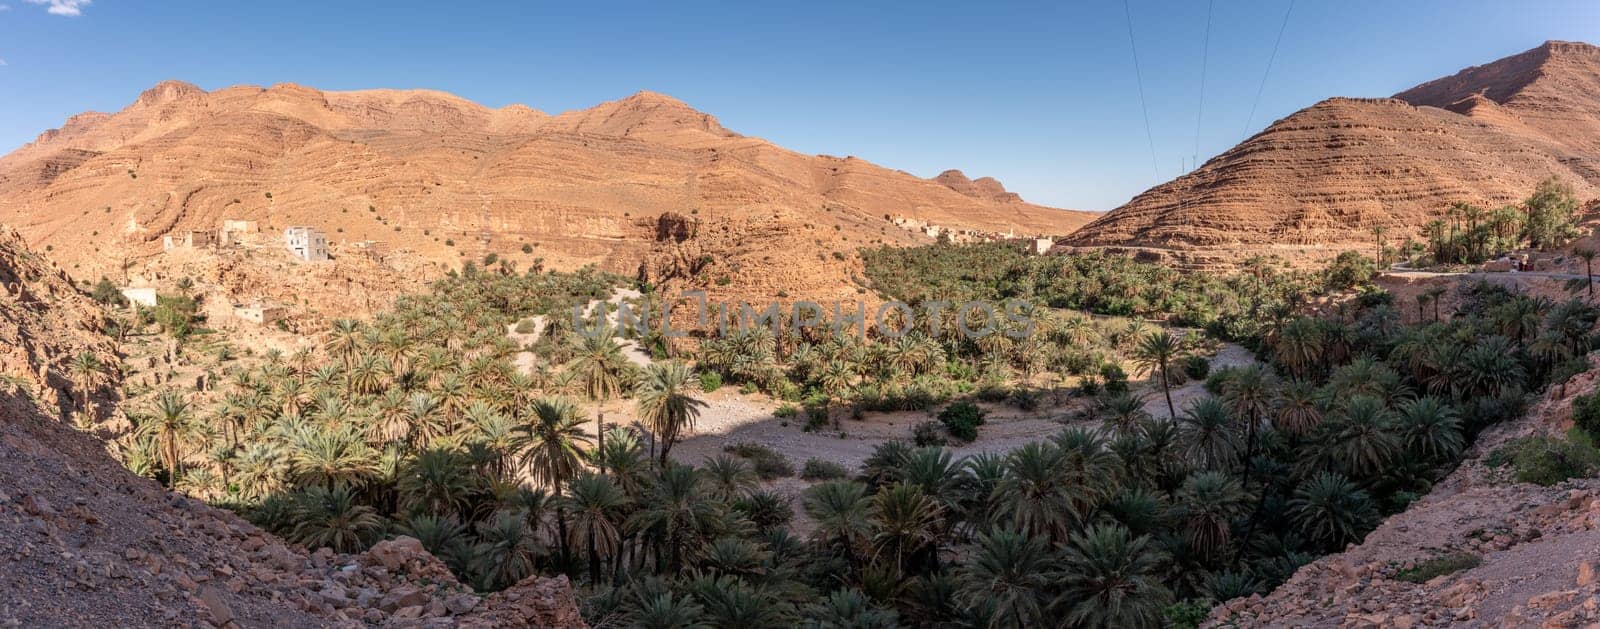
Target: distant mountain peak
{"x": 168, "y": 91}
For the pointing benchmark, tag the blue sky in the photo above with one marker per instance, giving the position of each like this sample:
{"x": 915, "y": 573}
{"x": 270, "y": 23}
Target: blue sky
{"x": 1042, "y": 95}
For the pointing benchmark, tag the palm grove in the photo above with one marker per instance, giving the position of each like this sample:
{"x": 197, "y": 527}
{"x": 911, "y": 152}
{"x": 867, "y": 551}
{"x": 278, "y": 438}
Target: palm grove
{"x": 418, "y": 423}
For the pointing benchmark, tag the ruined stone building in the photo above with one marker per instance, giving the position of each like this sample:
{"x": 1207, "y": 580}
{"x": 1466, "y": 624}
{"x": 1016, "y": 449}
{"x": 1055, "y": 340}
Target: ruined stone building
{"x": 258, "y": 313}
{"x": 187, "y": 240}
{"x": 235, "y": 230}
{"x": 306, "y": 243}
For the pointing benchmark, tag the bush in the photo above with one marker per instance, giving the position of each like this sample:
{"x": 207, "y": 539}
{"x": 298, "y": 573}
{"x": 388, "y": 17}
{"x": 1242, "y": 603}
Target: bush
{"x": 1024, "y": 399}
{"x": 1439, "y": 566}
{"x": 786, "y": 411}
{"x": 1196, "y": 367}
{"x": 107, "y": 294}
{"x": 1114, "y": 379}
{"x": 527, "y": 326}
{"x": 710, "y": 381}
{"x": 962, "y": 420}
{"x": 817, "y": 469}
{"x": 527, "y": 248}
{"x": 1545, "y": 460}
{"x": 767, "y": 463}
{"x": 928, "y": 433}
{"x": 1585, "y": 412}
{"x": 1187, "y": 613}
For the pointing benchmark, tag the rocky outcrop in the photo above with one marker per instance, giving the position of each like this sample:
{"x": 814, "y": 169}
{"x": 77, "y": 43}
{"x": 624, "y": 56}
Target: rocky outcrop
{"x": 1318, "y": 182}
{"x": 1537, "y": 563}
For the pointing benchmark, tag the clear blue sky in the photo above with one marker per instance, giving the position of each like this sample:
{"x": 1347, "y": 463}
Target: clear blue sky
{"x": 1040, "y": 95}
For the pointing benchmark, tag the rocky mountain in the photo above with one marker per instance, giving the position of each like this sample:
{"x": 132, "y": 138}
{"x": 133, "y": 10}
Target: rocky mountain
{"x": 1318, "y": 181}
{"x": 454, "y": 180}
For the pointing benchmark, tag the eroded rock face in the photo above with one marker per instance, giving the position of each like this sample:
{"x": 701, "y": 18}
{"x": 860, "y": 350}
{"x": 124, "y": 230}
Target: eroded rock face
{"x": 1318, "y": 181}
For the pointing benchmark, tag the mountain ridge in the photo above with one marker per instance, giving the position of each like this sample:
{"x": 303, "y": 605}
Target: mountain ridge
{"x": 1319, "y": 180}
{"x": 454, "y": 180}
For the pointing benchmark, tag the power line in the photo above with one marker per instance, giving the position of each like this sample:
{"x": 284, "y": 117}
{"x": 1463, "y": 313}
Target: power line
{"x": 1200, "y": 105}
{"x": 1139, "y": 76}
{"x": 1264, "y": 75}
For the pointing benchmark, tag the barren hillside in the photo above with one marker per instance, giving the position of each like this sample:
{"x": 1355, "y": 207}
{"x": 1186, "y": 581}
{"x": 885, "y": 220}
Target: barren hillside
{"x": 1318, "y": 181}
{"x": 453, "y": 180}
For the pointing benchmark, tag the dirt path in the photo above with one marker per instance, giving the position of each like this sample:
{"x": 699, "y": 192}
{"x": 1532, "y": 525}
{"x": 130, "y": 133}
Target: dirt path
{"x": 731, "y": 418}
{"x": 526, "y": 360}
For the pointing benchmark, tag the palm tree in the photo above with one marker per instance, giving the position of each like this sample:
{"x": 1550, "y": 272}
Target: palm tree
{"x": 599, "y": 366}
{"x": 1249, "y": 392}
{"x": 1113, "y": 580}
{"x": 1154, "y": 354}
{"x": 907, "y": 524}
{"x": 674, "y": 514}
{"x": 552, "y": 448}
{"x": 507, "y": 551}
{"x": 665, "y": 404}
{"x": 1430, "y": 429}
{"x": 1295, "y": 411}
{"x": 1361, "y": 437}
{"x": 836, "y": 379}
{"x": 331, "y": 517}
{"x": 86, "y": 370}
{"x": 1208, "y": 434}
{"x": 437, "y": 481}
{"x": 1434, "y": 294}
{"x": 330, "y": 456}
{"x": 1332, "y": 510}
{"x": 1300, "y": 345}
{"x": 729, "y": 477}
{"x": 171, "y": 424}
{"x": 593, "y": 502}
{"x": 840, "y": 509}
{"x": 343, "y": 340}
{"x": 1209, "y": 501}
{"x": 1010, "y": 572}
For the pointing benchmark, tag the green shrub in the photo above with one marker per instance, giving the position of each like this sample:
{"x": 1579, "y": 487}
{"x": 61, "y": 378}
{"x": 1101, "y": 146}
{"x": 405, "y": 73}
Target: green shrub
{"x": 527, "y": 248}
{"x": 1196, "y": 367}
{"x": 817, "y": 469}
{"x": 766, "y": 462}
{"x": 1585, "y": 413}
{"x": 527, "y": 326}
{"x": 928, "y": 433}
{"x": 1544, "y": 460}
{"x": 1114, "y": 379}
{"x": 786, "y": 411}
{"x": 106, "y": 293}
{"x": 1441, "y": 565}
{"x": 962, "y": 420}
{"x": 710, "y": 381}
{"x": 1188, "y": 613}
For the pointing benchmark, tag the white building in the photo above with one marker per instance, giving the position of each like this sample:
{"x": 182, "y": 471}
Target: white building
{"x": 1041, "y": 245}
{"x": 140, "y": 296}
{"x": 306, "y": 243}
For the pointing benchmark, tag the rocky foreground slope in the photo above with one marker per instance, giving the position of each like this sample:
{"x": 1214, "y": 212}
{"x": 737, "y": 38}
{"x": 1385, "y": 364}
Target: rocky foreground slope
{"x": 1318, "y": 181}
{"x": 1539, "y": 547}
{"x": 85, "y": 543}
{"x": 454, "y": 180}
